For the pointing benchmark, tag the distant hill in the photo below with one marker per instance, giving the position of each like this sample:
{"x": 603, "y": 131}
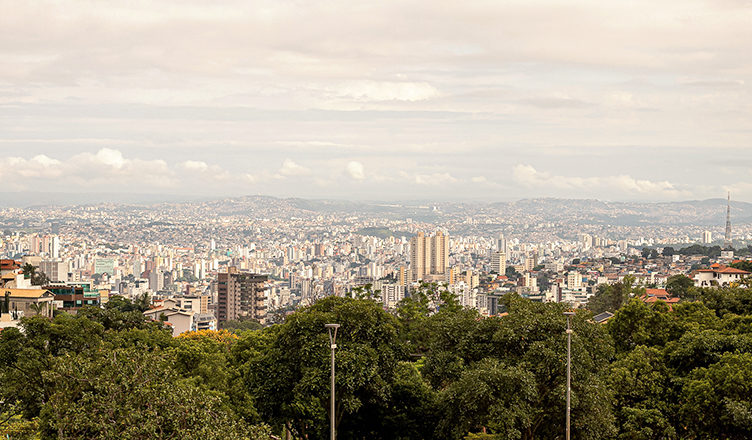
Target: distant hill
{"x": 709, "y": 212}
{"x": 383, "y": 232}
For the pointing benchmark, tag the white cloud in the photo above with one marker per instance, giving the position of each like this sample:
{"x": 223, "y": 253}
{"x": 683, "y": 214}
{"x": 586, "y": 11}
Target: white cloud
{"x": 388, "y": 91}
{"x": 434, "y": 179}
{"x": 355, "y": 170}
{"x": 195, "y": 165}
{"x": 110, "y": 157}
{"x": 110, "y": 170}
{"x": 479, "y": 179}
{"x": 290, "y": 169}
{"x": 528, "y": 176}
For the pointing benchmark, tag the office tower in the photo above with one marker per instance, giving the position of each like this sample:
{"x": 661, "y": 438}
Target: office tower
{"x": 501, "y": 243}
{"x": 241, "y": 295}
{"x": 707, "y": 237}
{"x": 439, "y": 253}
{"x": 499, "y": 262}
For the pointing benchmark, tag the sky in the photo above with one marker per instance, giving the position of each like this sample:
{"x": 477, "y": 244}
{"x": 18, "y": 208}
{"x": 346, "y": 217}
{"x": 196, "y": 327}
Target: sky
{"x": 378, "y": 100}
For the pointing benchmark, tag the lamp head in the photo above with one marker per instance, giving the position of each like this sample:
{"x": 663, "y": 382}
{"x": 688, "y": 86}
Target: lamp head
{"x": 331, "y": 325}
{"x": 569, "y": 313}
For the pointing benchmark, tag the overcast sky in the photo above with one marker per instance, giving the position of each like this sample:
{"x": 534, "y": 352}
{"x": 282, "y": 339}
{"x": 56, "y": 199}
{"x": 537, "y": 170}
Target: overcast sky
{"x": 494, "y": 100}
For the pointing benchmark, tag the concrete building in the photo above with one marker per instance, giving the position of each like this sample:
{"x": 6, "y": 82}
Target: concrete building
{"x": 420, "y": 256}
{"x": 241, "y": 295}
{"x": 104, "y": 265}
{"x": 574, "y": 280}
{"x": 56, "y": 270}
{"x": 498, "y": 262}
{"x": 428, "y": 255}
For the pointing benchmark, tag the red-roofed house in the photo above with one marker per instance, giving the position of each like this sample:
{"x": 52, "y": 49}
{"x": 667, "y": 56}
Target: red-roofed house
{"x": 652, "y": 296}
{"x": 718, "y": 275}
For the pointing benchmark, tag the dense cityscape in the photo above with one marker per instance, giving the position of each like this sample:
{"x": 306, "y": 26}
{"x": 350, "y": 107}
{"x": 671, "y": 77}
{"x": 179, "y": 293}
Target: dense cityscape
{"x": 305, "y": 250}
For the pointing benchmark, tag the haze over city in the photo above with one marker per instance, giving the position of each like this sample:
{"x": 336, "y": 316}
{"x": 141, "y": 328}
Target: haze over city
{"x": 378, "y": 101}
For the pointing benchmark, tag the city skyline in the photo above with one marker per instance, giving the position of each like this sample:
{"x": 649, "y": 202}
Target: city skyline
{"x": 374, "y": 101}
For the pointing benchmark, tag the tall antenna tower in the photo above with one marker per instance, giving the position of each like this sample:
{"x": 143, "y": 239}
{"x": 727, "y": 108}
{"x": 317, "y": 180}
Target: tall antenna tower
{"x": 727, "y": 239}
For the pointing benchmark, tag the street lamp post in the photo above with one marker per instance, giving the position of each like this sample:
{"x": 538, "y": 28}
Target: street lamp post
{"x": 569, "y": 366}
{"x": 333, "y": 344}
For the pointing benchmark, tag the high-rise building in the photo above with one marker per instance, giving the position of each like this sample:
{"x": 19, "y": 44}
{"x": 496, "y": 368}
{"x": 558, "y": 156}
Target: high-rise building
{"x": 574, "y": 280}
{"x": 429, "y": 255}
{"x": 499, "y": 262}
{"x": 587, "y": 241}
{"x": 55, "y": 247}
{"x": 707, "y": 237}
{"x": 241, "y": 295}
{"x": 530, "y": 262}
{"x": 420, "y": 256}
{"x": 501, "y": 243}
{"x": 56, "y": 270}
{"x": 439, "y": 253}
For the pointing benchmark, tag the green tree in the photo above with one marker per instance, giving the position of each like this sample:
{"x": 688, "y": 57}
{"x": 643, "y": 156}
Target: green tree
{"x": 34, "y": 275}
{"x": 639, "y": 324}
{"x": 641, "y": 384}
{"x": 611, "y": 297}
{"x": 131, "y": 394}
{"x": 717, "y": 400}
{"x": 491, "y": 396}
{"x": 288, "y": 372}
{"x": 679, "y": 285}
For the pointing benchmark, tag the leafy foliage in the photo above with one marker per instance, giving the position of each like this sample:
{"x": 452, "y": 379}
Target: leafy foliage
{"x": 429, "y": 370}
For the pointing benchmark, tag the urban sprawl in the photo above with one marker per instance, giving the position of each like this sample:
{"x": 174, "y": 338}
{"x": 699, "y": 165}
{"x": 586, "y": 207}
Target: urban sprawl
{"x": 201, "y": 264}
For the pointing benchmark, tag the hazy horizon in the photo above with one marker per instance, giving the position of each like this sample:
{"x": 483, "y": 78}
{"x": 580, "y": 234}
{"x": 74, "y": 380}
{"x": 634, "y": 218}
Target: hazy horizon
{"x": 36, "y": 198}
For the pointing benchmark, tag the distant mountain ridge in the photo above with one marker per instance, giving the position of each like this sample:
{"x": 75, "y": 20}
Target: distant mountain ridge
{"x": 586, "y": 211}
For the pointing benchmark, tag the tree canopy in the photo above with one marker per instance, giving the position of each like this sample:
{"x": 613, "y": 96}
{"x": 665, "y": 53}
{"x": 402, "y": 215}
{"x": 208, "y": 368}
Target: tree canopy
{"x": 431, "y": 369}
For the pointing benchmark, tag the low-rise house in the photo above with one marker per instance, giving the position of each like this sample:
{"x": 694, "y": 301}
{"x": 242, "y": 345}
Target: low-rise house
{"x": 718, "y": 275}
{"x": 27, "y": 302}
{"x": 180, "y": 320}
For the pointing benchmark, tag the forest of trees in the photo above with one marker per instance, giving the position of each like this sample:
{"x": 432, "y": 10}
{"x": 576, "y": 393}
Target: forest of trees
{"x": 422, "y": 372}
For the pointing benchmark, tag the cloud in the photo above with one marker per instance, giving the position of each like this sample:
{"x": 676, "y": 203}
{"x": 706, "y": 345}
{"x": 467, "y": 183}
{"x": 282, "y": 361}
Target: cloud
{"x": 355, "y": 170}
{"x": 195, "y": 165}
{"x": 388, "y": 91}
{"x": 434, "y": 179}
{"x": 528, "y": 176}
{"x": 292, "y": 169}
{"x": 110, "y": 170}
{"x": 110, "y": 157}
